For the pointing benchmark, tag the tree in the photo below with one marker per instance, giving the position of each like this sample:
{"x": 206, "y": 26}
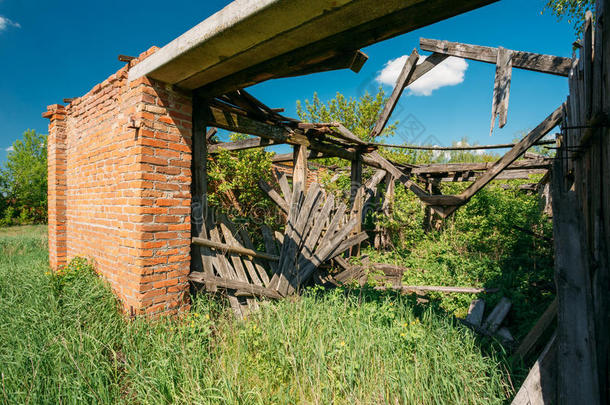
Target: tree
{"x": 25, "y": 179}
{"x": 359, "y": 115}
{"x": 574, "y": 10}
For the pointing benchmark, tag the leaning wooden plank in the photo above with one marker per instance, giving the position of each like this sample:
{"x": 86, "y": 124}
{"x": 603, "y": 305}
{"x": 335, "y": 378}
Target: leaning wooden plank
{"x": 270, "y": 247}
{"x": 284, "y": 186}
{"x": 242, "y": 145}
{"x": 459, "y": 290}
{"x": 232, "y": 249}
{"x": 232, "y": 242}
{"x": 235, "y": 285}
{"x": 333, "y": 224}
{"x": 318, "y": 224}
{"x": 375, "y": 157}
{"x": 306, "y": 267}
{"x": 288, "y": 269}
{"x": 260, "y": 269}
{"x": 555, "y": 65}
{"x": 499, "y": 107}
{"x": 274, "y": 195}
{"x": 223, "y": 267}
{"x": 540, "y": 385}
{"x": 288, "y": 241}
{"x": 534, "y": 335}
{"x": 494, "y": 319}
{"x": 403, "y": 79}
{"x": 299, "y": 173}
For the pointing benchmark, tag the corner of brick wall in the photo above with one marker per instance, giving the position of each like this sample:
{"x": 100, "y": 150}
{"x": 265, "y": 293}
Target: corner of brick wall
{"x": 119, "y": 189}
{"x": 56, "y": 165}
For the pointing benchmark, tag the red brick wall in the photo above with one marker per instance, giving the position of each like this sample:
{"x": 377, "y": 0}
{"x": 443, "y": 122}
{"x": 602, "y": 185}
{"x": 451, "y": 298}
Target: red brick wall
{"x": 127, "y": 190}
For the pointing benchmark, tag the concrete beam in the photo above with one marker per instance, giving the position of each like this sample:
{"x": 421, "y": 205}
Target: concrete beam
{"x": 249, "y": 33}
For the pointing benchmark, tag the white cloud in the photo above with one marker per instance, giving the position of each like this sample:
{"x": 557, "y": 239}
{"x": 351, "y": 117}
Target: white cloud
{"x": 10, "y": 149}
{"x": 5, "y": 23}
{"x": 448, "y": 73}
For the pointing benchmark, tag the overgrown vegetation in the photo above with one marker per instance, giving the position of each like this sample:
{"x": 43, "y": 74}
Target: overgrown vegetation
{"x": 63, "y": 340}
{"x": 23, "y": 181}
{"x": 574, "y": 10}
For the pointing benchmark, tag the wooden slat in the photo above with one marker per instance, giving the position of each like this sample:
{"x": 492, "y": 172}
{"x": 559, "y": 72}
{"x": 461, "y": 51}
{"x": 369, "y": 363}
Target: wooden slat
{"x": 233, "y": 255}
{"x": 235, "y": 285}
{"x": 242, "y": 145}
{"x": 233, "y": 249}
{"x": 299, "y": 173}
{"x": 555, "y": 65}
{"x": 274, "y": 195}
{"x": 284, "y": 186}
{"x": 403, "y": 79}
{"x": 270, "y": 247}
{"x": 260, "y": 269}
{"x": 437, "y": 168}
{"x": 501, "y": 93}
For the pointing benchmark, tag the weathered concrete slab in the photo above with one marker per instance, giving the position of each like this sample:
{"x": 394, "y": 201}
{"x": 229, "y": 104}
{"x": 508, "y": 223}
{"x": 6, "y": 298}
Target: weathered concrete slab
{"x": 257, "y": 34}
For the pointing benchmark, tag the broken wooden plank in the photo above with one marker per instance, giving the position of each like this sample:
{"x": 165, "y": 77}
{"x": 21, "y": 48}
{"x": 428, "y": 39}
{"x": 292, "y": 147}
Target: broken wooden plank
{"x": 235, "y": 285}
{"x": 300, "y": 169}
{"x": 555, "y": 65}
{"x": 233, "y": 249}
{"x": 274, "y": 195}
{"x": 496, "y": 317}
{"x": 403, "y": 79}
{"x": 534, "y": 335}
{"x": 443, "y": 289}
{"x": 243, "y": 144}
{"x": 501, "y": 92}
{"x": 270, "y": 247}
{"x": 284, "y": 186}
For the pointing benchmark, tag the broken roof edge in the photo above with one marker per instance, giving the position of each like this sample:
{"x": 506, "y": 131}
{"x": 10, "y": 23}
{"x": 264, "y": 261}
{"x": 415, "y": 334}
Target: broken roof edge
{"x": 215, "y": 24}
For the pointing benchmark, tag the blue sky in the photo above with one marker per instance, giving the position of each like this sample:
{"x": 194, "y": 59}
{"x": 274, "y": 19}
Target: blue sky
{"x": 54, "y": 50}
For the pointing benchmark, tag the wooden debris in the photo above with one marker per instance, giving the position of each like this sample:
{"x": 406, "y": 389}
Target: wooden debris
{"x": 501, "y": 93}
{"x": 235, "y": 285}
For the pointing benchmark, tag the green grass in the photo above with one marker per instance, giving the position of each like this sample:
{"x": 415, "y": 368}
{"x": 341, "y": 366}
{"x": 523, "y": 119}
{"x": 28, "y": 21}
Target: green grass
{"x": 62, "y": 340}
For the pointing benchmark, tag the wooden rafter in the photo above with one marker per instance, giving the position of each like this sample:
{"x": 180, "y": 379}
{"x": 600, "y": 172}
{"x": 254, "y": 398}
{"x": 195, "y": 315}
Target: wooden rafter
{"x": 555, "y": 65}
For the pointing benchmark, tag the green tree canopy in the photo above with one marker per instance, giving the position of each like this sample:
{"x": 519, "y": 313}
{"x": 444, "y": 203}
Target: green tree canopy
{"x": 359, "y": 115}
{"x": 25, "y": 178}
{"x": 574, "y": 10}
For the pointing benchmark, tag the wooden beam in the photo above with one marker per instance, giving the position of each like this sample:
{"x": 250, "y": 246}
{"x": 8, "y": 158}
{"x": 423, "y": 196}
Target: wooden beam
{"x": 242, "y": 144}
{"x": 403, "y": 79}
{"x": 353, "y": 60}
{"x": 233, "y": 249}
{"x": 470, "y": 147}
{"x": 554, "y": 65}
{"x": 534, "y": 136}
{"x": 299, "y": 173}
{"x": 442, "y": 168}
{"x": 234, "y": 285}
{"x": 460, "y": 290}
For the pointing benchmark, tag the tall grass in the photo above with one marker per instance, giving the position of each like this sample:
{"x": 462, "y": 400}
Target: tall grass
{"x": 62, "y": 340}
